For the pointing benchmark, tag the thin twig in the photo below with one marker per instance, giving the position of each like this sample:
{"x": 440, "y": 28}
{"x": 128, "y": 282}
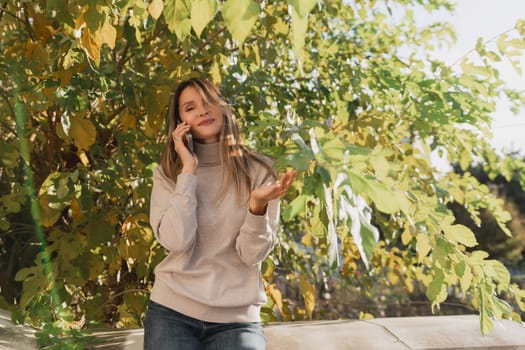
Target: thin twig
{"x": 4, "y": 10}
{"x": 486, "y": 42}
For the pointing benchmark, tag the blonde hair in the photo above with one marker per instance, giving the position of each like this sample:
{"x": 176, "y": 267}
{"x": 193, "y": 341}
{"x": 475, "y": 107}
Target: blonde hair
{"x": 235, "y": 158}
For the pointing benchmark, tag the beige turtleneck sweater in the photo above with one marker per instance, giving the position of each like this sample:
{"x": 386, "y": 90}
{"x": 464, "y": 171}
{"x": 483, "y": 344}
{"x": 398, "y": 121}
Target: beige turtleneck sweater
{"x": 215, "y": 248}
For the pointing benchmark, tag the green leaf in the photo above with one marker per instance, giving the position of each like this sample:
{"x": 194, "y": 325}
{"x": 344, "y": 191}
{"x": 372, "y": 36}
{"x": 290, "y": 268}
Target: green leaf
{"x": 437, "y": 289}
{"x": 385, "y": 199}
{"x": 202, "y": 12}
{"x": 459, "y": 268}
{"x": 460, "y": 234}
{"x": 299, "y": 161}
{"x": 369, "y": 237}
{"x": 334, "y": 148}
{"x": 297, "y": 206}
{"x": 484, "y": 313}
{"x": 176, "y": 13}
{"x": 239, "y": 17}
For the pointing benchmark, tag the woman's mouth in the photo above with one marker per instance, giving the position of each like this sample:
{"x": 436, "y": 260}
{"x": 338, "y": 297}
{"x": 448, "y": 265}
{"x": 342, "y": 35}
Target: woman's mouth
{"x": 206, "y": 122}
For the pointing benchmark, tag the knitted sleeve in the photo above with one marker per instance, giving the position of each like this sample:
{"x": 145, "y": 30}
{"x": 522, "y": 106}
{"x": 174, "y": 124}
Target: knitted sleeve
{"x": 257, "y": 234}
{"x": 173, "y": 211}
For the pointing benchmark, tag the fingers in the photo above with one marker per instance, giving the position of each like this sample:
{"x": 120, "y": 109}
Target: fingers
{"x": 275, "y": 190}
{"x": 287, "y": 179}
{"x": 181, "y": 130}
{"x": 283, "y": 184}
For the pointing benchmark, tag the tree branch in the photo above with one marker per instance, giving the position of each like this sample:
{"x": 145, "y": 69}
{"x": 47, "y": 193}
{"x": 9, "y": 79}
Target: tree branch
{"x": 26, "y": 22}
{"x": 5, "y": 96}
{"x": 122, "y": 57}
{"x": 209, "y": 40}
{"x": 3, "y": 10}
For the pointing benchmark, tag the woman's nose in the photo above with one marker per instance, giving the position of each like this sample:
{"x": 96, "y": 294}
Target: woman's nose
{"x": 203, "y": 112}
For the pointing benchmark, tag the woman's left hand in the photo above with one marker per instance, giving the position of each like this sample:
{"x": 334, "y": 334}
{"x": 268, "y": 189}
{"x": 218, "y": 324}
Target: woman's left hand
{"x": 260, "y": 197}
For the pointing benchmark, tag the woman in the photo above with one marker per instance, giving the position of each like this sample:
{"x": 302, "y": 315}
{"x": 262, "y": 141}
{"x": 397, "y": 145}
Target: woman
{"x": 215, "y": 210}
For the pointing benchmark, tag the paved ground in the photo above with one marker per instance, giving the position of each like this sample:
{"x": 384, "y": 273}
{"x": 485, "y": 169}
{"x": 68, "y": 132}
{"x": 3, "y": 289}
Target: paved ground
{"x": 421, "y": 333}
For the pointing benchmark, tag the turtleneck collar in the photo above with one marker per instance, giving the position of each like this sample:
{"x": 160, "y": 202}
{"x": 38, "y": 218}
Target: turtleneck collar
{"x": 209, "y": 154}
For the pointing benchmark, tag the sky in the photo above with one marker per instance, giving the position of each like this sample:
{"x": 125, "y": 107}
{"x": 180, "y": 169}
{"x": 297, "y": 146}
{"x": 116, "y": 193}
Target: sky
{"x": 487, "y": 19}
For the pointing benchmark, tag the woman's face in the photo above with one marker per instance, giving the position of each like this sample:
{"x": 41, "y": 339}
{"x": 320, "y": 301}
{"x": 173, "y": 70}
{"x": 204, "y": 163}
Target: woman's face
{"x": 206, "y": 121}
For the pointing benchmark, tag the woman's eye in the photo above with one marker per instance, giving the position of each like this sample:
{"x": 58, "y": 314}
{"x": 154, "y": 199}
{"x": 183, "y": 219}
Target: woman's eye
{"x": 189, "y": 109}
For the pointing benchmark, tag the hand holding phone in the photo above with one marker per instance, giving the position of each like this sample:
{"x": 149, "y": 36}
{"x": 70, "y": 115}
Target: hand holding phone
{"x": 183, "y": 141}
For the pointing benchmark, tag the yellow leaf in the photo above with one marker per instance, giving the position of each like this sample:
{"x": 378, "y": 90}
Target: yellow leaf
{"x": 276, "y": 296}
{"x": 460, "y": 234}
{"x": 423, "y": 245}
{"x": 83, "y": 132}
{"x": 35, "y": 52}
{"x": 365, "y": 316}
{"x": 176, "y": 13}
{"x": 137, "y": 230}
{"x": 83, "y": 157}
{"x": 308, "y": 293}
{"x": 299, "y": 26}
{"x": 239, "y": 17}
{"x": 281, "y": 26}
{"x": 155, "y": 8}
{"x": 393, "y": 277}
{"x": 307, "y": 240}
{"x": 466, "y": 280}
{"x": 202, "y": 12}
{"x": 64, "y": 75}
{"x": 42, "y": 27}
{"x": 216, "y": 72}
{"x": 128, "y": 121}
{"x": 302, "y": 7}
{"x": 75, "y": 210}
{"x": 406, "y": 236}
{"x": 48, "y": 215}
{"x": 108, "y": 35}
{"x": 91, "y": 43}
{"x": 80, "y": 22}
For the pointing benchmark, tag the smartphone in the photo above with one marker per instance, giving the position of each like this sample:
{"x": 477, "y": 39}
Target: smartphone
{"x": 189, "y": 142}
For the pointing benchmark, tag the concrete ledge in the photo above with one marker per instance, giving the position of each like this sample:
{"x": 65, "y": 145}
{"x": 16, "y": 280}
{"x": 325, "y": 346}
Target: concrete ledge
{"x": 398, "y": 333}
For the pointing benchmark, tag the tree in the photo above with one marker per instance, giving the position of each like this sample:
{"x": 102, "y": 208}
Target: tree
{"x": 506, "y": 186}
{"x": 321, "y": 86}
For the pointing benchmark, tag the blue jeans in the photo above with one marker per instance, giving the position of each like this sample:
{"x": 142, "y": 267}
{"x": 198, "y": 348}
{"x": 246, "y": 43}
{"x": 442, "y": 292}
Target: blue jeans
{"x": 167, "y": 329}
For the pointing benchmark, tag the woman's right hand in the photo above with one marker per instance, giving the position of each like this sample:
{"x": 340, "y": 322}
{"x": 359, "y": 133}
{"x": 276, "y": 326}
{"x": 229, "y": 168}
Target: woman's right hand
{"x": 189, "y": 160}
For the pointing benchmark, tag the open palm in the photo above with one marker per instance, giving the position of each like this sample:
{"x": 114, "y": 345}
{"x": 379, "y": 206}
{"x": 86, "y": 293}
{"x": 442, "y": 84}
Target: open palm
{"x": 260, "y": 196}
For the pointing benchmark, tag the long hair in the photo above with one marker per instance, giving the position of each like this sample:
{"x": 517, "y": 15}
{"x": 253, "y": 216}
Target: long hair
{"x": 235, "y": 158}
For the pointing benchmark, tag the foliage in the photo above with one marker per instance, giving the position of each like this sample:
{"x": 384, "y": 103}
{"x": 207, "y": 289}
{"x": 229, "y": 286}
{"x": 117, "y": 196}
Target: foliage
{"x": 322, "y": 86}
{"x": 491, "y": 238}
